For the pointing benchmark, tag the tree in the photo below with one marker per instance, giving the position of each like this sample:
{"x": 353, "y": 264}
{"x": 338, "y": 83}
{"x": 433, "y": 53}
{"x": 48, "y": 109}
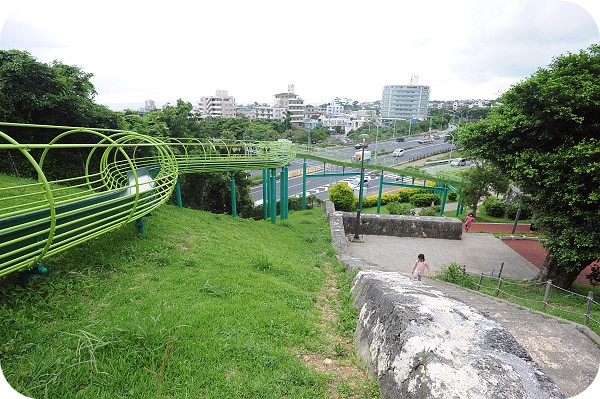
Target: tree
{"x": 546, "y": 137}
{"x": 477, "y": 182}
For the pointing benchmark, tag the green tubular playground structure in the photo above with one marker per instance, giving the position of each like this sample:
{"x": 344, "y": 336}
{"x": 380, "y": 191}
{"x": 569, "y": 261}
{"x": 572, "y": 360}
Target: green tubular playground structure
{"x": 124, "y": 176}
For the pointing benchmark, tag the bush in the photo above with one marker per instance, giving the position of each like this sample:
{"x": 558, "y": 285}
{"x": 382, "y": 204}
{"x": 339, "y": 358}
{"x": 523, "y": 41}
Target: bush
{"x": 425, "y": 199}
{"x": 452, "y": 195}
{"x": 456, "y": 274}
{"x": 494, "y": 207}
{"x": 342, "y": 197}
{"x": 397, "y": 208}
{"x": 511, "y": 211}
{"x": 430, "y": 211}
{"x": 405, "y": 194}
{"x": 369, "y": 202}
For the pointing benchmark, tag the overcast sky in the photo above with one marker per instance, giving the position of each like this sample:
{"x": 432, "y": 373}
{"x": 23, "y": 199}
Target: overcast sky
{"x": 166, "y": 50}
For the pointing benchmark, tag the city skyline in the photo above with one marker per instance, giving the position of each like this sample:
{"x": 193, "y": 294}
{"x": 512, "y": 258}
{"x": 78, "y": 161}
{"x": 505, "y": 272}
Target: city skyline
{"x": 137, "y": 51}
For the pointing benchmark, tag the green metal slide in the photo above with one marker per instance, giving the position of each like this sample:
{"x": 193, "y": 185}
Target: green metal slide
{"x": 124, "y": 176}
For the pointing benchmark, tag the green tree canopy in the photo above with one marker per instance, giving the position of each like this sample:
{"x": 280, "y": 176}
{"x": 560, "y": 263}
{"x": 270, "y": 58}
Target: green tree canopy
{"x": 546, "y": 137}
{"x": 51, "y": 94}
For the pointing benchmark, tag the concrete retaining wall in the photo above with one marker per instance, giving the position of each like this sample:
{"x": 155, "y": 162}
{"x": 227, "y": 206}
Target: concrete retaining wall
{"x": 404, "y": 226}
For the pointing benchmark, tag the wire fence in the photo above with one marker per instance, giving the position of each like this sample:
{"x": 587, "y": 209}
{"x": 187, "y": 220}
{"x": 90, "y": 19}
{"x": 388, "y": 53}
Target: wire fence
{"x": 544, "y": 302}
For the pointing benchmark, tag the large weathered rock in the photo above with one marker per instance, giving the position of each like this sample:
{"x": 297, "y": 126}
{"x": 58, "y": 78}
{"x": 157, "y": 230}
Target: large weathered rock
{"x": 420, "y": 343}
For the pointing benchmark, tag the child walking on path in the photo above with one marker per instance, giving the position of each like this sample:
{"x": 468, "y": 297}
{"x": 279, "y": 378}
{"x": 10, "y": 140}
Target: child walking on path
{"x": 468, "y": 221}
{"x": 419, "y": 267}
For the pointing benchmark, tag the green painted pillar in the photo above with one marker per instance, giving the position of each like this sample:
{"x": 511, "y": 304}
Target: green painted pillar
{"x": 178, "y": 193}
{"x": 380, "y": 192}
{"x": 273, "y": 195}
{"x": 265, "y": 186}
{"x": 283, "y": 188}
{"x": 444, "y": 194}
{"x": 233, "y": 196}
{"x": 304, "y": 185}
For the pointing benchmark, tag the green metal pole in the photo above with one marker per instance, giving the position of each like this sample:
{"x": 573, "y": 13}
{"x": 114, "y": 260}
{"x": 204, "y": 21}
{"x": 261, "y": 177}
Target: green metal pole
{"x": 380, "y": 192}
{"x": 273, "y": 194}
{"x": 265, "y": 187}
{"x": 178, "y": 194}
{"x": 233, "y": 196}
{"x": 444, "y": 195}
{"x": 304, "y": 185}
{"x": 283, "y": 186}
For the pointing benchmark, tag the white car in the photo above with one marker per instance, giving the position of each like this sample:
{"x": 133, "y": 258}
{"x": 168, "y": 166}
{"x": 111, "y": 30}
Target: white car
{"x": 354, "y": 184}
{"x": 458, "y": 162}
{"x": 398, "y": 152}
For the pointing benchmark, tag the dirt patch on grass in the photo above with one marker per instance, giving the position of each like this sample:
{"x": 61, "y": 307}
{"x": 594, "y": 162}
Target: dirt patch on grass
{"x": 348, "y": 378}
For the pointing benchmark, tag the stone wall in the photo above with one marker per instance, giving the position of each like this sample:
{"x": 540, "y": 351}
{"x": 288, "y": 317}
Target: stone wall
{"x": 420, "y": 343}
{"x": 404, "y": 226}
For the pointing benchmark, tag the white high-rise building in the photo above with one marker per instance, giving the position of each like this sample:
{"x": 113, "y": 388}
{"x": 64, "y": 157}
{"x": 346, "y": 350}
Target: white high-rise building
{"x": 405, "y": 101}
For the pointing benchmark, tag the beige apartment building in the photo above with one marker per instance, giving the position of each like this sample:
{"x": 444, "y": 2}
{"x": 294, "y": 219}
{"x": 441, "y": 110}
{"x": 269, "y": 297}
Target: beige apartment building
{"x": 293, "y": 103}
{"x": 219, "y": 105}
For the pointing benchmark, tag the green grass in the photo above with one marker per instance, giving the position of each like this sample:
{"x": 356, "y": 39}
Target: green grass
{"x": 531, "y": 295}
{"x": 202, "y": 305}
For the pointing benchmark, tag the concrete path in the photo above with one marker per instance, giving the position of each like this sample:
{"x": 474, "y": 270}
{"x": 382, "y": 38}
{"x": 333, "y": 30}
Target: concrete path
{"x": 568, "y": 352}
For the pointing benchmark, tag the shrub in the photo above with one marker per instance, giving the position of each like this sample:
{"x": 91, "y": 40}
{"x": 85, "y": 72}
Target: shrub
{"x": 342, "y": 197}
{"x": 456, "y": 274}
{"x": 425, "y": 199}
{"x": 404, "y": 194}
{"x": 511, "y": 211}
{"x": 397, "y": 208}
{"x": 430, "y": 211}
{"x": 494, "y": 207}
{"x": 452, "y": 195}
{"x": 369, "y": 202}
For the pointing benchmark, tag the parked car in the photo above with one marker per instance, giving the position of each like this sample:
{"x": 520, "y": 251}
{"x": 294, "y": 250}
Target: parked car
{"x": 359, "y": 146}
{"x": 400, "y": 139}
{"x": 354, "y": 184}
{"x": 458, "y": 162}
{"x": 398, "y": 152}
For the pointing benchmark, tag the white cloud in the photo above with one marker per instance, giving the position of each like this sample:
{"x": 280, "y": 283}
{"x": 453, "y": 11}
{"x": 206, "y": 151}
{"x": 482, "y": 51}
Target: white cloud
{"x": 350, "y": 49}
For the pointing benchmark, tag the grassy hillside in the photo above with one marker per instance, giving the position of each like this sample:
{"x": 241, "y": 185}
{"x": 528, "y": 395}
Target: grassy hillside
{"x": 201, "y": 306}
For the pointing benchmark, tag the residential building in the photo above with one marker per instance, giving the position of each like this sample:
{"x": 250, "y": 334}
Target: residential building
{"x": 405, "y": 101}
{"x": 292, "y": 103}
{"x": 220, "y": 105}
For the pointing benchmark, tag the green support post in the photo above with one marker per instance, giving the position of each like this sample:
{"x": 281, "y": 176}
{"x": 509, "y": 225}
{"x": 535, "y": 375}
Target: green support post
{"x": 178, "y": 193}
{"x": 141, "y": 226}
{"x": 283, "y": 188}
{"x": 273, "y": 195}
{"x": 304, "y": 185}
{"x": 380, "y": 192}
{"x": 265, "y": 187}
{"x": 444, "y": 195}
{"x": 233, "y": 196}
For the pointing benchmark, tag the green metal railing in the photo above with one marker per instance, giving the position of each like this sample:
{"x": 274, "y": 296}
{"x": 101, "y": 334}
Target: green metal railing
{"x": 124, "y": 176}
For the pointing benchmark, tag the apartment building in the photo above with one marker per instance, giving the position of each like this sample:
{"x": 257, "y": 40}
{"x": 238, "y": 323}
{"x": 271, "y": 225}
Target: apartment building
{"x": 293, "y": 103}
{"x": 404, "y": 102}
{"x": 219, "y": 105}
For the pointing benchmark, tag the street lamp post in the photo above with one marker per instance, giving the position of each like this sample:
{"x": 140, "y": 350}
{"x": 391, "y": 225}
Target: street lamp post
{"x": 364, "y": 141}
{"x": 451, "y": 145}
{"x": 376, "y": 138}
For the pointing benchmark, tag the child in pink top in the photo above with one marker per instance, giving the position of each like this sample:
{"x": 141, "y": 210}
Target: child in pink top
{"x": 419, "y": 268}
{"x": 468, "y": 221}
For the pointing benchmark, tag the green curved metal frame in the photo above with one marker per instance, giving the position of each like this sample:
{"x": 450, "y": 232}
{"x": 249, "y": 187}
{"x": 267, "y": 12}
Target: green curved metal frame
{"x": 137, "y": 174}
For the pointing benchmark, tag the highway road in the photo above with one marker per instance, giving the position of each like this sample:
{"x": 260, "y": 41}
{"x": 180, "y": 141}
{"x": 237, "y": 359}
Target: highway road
{"x": 320, "y": 185}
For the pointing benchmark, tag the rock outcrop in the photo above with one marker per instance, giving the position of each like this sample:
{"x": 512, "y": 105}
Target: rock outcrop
{"x": 420, "y": 343}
